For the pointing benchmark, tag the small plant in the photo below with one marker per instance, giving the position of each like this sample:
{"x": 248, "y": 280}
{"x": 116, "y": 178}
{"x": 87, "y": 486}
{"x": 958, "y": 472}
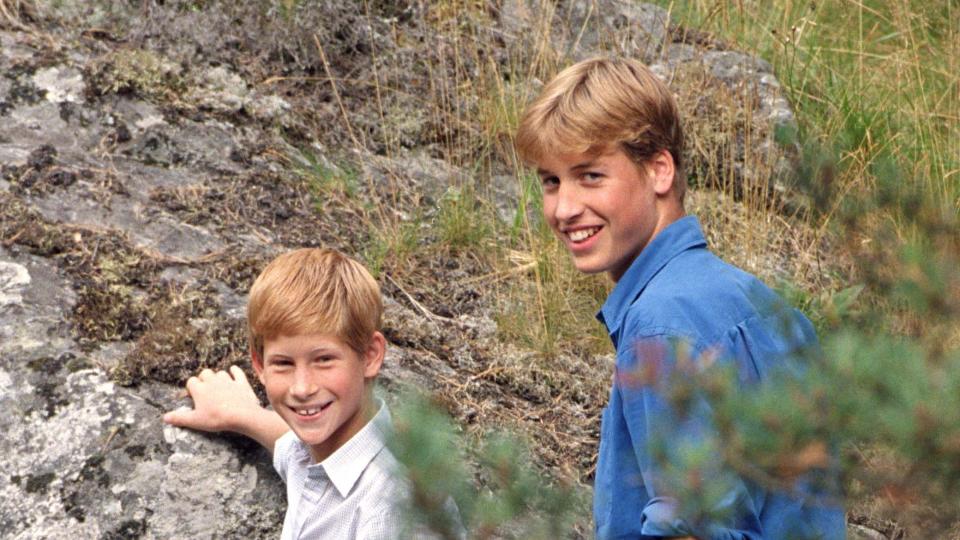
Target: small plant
{"x": 390, "y": 248}
{"x": 326, "y": 179}
{"x": 462, "y": 220}
{"x": 136, "y": 71}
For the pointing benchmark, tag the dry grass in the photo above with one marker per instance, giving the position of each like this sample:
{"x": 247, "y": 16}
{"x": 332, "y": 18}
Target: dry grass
{"x": 15, "y": 13}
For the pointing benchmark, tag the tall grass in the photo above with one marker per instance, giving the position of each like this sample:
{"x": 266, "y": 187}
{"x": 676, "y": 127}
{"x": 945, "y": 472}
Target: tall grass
{"x": 878, "y": 78}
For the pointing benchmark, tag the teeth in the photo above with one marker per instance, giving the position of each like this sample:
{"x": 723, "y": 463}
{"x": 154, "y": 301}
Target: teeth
{"x": 582, "y": 234}
{"x": 311, "y": 411}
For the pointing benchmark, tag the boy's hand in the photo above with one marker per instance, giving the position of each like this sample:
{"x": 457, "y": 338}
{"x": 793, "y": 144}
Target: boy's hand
{"x": 221, "y": 402}
{"x": 225, "y": 401}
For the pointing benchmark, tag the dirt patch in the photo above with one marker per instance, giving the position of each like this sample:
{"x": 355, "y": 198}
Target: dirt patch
{"x": 109, "y": 275}
{"x": 186, "y": 333}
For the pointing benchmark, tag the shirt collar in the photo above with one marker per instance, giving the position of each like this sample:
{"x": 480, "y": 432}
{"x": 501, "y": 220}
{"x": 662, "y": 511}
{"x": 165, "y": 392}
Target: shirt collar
{"x": 347, "y": 463}
{"x": 677, "y": 237}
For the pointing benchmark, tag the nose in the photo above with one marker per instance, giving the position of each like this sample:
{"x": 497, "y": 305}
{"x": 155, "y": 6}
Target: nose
{"x": 568, "y": 203}
{"x": 304, "y": 383}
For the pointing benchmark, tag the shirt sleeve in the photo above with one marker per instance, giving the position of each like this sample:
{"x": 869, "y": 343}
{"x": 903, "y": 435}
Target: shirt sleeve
{"x": 676, "y": 446}
{"x": 283, "y": 452}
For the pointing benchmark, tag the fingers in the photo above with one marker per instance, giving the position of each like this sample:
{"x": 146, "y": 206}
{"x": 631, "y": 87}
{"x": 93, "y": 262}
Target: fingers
{"x": 180, "y": 417}
{"x": 238, "y": 374}
{"x": 199, "y": 383}
{"x": 209, "y": 375}
{"x": 192, "y": 384}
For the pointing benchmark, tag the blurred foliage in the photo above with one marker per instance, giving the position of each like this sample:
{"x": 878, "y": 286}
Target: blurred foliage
{"x": 504, "y": 495}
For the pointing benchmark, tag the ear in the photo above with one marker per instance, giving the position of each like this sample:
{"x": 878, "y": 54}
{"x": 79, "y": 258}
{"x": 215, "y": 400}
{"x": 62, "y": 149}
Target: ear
{"x": 257, "y": 363}
{"x": 373, "y": 357}
{"x": 662, "y": 170}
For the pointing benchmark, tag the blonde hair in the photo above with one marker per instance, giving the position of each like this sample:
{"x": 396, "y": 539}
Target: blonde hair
{"x": 311, "y": 291}
{"x": 599, "y": 103}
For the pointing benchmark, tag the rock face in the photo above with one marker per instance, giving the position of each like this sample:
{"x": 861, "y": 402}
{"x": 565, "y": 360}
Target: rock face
{"x": 128, "y": 232}
{"x": 88, "y": 459}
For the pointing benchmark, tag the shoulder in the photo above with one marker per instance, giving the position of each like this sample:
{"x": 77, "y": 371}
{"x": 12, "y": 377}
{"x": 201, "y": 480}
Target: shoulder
{"x": 381, "y": 487}
{"x": 698, "y": 297}
{"x": 288, "y": 453}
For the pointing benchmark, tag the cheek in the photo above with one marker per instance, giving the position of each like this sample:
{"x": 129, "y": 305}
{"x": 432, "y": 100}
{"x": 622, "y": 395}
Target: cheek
{"x": 549, "y": 206}
{"x": 275, "y": 392}
{"x": 342, "y": 382}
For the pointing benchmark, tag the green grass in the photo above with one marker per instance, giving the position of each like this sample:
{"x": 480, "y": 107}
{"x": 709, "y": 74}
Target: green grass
{"x": 463, "y": 221}
{"x": 326, "y": 179}
{"x": 875, "y": 78}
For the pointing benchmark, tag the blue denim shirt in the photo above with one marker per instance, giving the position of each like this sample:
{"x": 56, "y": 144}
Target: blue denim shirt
{"x": 678, "y": 294}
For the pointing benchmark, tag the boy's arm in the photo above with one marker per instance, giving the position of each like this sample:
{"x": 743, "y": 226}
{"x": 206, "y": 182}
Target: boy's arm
{"x": 645, "y": 378}
{"x": 225, "y": 401}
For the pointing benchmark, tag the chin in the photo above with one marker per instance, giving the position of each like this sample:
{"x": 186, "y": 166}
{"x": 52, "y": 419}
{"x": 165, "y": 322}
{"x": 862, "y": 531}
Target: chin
{"x": 312, "y": 438}
{"x": 588, "y": 267}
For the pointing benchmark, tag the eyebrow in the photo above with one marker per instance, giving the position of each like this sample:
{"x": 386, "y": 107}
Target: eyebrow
{"x": 578, "y": 167}
{"x": 323, "y": 349}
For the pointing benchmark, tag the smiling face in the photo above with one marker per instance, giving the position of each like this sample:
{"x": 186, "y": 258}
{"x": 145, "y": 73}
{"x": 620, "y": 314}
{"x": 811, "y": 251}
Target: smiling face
{"x": 320, "y": 387}
{"x": 605, "y": 208}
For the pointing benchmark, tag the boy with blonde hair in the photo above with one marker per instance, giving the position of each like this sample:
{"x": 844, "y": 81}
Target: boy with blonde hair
{"x": 606, "y": 140}
{"x": 314, "y": 319}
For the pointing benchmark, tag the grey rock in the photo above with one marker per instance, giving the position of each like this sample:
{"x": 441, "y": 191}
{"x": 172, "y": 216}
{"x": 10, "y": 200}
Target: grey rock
{"x": 189, "y": 144}
{"x": 14, "y": 49}
{"x": 268, "y": 107}
{"x": 221, "y": 91}
{"x": 416, "y": 176}
{"x": 739, "y": 70}
{"x": 677, "y": 53}
{"x": 627, "y": 28}
{"x": 148, "y": 228}
{"x": 733, "y": 66}
{"x": 137, "y": 115}
{"x": 27, "y": 127}
{"x": 87, "y": 459}
{"x": 6, "y": 85}
{"x": 862, "y": 532}
{"x": 506, "y": 190}
{"x": 13, "y": 278}
{"x": 517, "y": 17}
{"x": 32, "y": 322}
{"x": 61, "y": 84}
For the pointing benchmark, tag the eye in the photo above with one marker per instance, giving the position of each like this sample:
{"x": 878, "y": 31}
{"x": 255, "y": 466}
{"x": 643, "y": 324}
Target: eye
{"x": 324, "y": 358}
{"x": 279, "y": 364}
{"x": 592, "y": 176}
{"x": 549, "y": 182}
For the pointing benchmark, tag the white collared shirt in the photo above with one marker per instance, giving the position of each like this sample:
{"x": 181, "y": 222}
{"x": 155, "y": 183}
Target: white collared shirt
{"x": 353, "y": 494}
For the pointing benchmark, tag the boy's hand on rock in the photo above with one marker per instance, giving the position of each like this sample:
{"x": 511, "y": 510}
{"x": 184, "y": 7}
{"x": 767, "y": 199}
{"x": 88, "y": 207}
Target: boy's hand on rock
{"x": 221, "y": 402}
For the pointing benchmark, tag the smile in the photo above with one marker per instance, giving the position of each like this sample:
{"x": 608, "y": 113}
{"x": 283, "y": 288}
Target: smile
{"x": 582, "y": 234}
{"x": 312, "y": 410}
